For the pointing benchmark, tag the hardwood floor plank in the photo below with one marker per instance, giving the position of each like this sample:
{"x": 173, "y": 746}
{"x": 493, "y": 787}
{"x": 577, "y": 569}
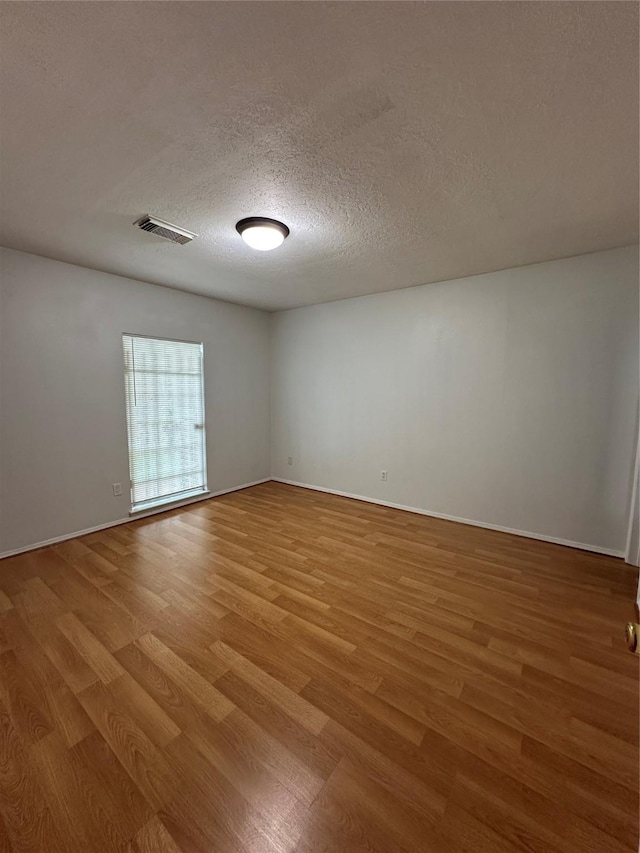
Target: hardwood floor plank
{"x": 116, "y": 806}
{"x": 525, "y": 812}
{"x": 429, "y": 798}
{"x": 302, "y": 712}
{"x": 243, "y": 768}
{"x": 212, "y": 702}
{"x": 26, "y": 818}
{"x": 73, "y": 668}
{"x": 52, "y": 693}
{"x": 259, "y": 647}
{"x": 20, "y": 695}
{"x": 65, "y": 788}
{"x": 312, "y": 761}
{"x": 215, "y": 810}
{"x": 364, "y": 817}
{"x": 279, "y": 670}
{"x": 145, "y": 764}
{"x": 147, "y": 713}
{"x": 153, "y": 838}
{"x": 105, "y": 666}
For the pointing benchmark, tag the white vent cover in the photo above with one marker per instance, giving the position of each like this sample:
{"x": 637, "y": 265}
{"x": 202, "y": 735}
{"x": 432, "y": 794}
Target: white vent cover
{"x": 165, "y": 230}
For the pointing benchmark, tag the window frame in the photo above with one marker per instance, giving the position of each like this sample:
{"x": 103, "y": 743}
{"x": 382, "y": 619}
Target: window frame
{"x": 175, "y": 498}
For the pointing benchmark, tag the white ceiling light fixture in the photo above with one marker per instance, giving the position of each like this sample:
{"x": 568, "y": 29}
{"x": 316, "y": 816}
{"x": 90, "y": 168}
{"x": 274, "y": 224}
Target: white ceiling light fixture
{"x": 262, "y": 233}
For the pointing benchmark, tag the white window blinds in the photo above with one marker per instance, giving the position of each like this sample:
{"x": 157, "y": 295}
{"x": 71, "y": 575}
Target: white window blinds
{"x": 165, "y": 419}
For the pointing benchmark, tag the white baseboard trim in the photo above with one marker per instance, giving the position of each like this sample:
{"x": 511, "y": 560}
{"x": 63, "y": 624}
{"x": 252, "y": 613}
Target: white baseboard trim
{"x": 129, "y": 519}
{"x": 610, "y": 552}
{"x": 554, "y": 540}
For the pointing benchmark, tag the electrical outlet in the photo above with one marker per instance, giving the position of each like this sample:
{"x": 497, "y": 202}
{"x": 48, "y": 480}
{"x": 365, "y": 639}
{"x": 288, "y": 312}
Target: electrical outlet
{"x": 383, "y": 475}
{"x": 117, "y": 489}
{"x": 289, "y": 460}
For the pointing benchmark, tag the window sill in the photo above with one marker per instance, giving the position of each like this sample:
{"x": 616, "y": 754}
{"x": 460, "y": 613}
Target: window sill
{"x": 149, "y": 507}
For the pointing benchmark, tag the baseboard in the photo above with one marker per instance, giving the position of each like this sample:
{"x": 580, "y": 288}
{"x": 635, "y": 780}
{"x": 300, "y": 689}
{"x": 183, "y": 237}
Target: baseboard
{"x": 129, "y": 519}
{"x": 554, "y": 540}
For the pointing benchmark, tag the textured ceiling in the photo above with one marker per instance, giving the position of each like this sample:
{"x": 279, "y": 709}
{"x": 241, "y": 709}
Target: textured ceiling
{"x": 402, "y": 143}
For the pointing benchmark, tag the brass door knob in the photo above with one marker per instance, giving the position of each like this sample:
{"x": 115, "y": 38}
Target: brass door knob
{"x": 633, "y": 634}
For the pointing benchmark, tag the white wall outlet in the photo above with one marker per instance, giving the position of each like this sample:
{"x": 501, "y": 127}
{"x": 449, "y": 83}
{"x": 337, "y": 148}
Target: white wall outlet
{"x": 117, "y": 489}
{"x": 383, "y": 475}
{"x": 289, "y": 460}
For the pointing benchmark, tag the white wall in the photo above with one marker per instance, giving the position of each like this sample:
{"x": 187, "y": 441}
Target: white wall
{"x": 63, "y": 438}
{"x": 508, "y": 398}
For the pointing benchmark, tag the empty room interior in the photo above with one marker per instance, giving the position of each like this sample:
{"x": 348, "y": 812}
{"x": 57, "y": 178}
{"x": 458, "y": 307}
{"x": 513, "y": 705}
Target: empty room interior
{"x": 319, "y": 372}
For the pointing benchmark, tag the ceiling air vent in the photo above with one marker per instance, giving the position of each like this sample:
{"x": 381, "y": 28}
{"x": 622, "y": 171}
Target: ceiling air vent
{"x": 165, "y": 230}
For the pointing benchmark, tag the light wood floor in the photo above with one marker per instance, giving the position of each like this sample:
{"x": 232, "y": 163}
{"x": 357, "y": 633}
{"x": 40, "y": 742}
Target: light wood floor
{"x": 283, "y": 670}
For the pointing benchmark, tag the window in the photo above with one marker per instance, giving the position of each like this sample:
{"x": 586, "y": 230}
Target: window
{"x": 165, "y": 420}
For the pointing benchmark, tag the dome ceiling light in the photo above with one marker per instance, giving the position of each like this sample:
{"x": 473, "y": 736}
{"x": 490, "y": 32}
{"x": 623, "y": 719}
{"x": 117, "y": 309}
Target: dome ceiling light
{"x": 262, "y": 233}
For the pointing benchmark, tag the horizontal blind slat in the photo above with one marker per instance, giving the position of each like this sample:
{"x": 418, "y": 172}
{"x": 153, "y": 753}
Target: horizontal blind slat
{"x": 165, "y": 417}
